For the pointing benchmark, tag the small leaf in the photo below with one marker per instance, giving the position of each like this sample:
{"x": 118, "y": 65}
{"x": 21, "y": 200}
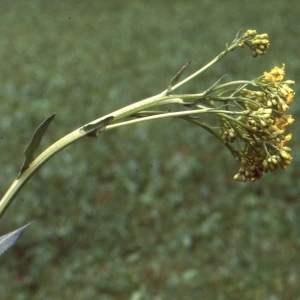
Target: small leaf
{"x": 176, "y": 78}
{"x": 35, "y": 142}
{"x": 214, "y": 85}
{"x": 7, "y": 240}
{"x": 237, "y": 36}
{"x": 95, "y": 128}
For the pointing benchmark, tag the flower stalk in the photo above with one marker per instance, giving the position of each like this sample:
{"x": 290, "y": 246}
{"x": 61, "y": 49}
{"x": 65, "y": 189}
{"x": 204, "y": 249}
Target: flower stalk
{"x": 251, "y": 116}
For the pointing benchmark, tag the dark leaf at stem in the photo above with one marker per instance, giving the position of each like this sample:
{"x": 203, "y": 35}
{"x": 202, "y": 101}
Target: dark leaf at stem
{"x": 94, "y": 129}
{"x": 35, "y": 142}
{"x": 176, "y": 78}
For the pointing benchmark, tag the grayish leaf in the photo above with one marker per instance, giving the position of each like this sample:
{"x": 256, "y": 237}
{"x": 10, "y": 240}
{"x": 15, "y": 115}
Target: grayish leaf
{"x": 35, "y": 142}
{"x": 9, "y": 239}
{"x": 176, "y": 78}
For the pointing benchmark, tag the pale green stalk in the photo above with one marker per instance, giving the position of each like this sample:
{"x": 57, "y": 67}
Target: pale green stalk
{"x": 160, "y": 99}
{"x": 67, "y": 140}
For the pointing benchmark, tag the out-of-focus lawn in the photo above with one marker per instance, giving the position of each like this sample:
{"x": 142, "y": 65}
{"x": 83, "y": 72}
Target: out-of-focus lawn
{"x": 149, "y": 211}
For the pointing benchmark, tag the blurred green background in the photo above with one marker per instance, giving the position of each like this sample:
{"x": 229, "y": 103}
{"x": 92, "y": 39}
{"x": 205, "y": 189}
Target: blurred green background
{"x": 148, "y": 211}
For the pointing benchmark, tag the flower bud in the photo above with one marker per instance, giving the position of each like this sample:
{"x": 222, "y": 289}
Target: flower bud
{"x": 284, "y": 154}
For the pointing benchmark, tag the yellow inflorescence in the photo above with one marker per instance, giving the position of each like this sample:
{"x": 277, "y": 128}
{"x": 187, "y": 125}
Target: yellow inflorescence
{"x": 258, "y": 43}
{"x": 262, "y": 127}
{"x": 275, "y": 75}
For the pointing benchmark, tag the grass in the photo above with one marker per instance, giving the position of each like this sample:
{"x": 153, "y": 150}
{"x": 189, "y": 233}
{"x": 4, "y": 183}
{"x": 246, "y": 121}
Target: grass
{"x": 150, "y": 211}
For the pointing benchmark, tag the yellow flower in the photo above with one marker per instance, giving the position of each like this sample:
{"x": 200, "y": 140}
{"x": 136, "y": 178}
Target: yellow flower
{"x": 275, "y": 75}
{"x": 290, "y": 119}
{"x": 283, "y": 105}
{"x": 284, "y": 141}
{"x": 278, "y": 71}
{"x": 288, "y": 137}
{"x": 284, "y": 121}
{"x": 289, "y": 98}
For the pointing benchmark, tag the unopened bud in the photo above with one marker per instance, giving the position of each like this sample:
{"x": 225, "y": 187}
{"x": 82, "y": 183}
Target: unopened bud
{"x": 284, "y": 154}
{"x": 251, "y": 32}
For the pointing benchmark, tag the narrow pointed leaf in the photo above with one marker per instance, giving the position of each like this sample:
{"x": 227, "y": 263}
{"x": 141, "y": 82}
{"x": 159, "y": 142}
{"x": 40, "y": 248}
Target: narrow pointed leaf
{"x": 237, "y": 36}
{"x": 214, "y": 85}
{"x": 35, "y": 142}
{"x": 176, "y": 78}
{"x": 94, "y": 129}
{"x": 7, "y": 240}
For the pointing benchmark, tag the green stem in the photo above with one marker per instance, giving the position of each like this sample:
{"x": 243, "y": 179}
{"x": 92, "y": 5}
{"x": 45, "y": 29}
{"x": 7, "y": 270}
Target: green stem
{"x": 158, "y": 115}
{"x": 69, "y": 139}
{"x": 211, "y": 131}
{"x": 230, "y": 119}
{"x": 215, "y": 60}
{"x": 228, "y": 84}
{"x": 160, "y": 99}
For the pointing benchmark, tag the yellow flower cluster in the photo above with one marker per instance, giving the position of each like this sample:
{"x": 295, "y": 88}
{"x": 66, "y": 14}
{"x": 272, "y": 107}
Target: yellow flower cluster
{"x": 262, "y": 127}
{"x": 258, "y": 43}
{"x": 276, "y": 75}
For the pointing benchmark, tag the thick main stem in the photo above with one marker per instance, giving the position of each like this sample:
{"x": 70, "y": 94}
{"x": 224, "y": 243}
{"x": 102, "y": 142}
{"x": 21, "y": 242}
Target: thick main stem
{"x": 159, "y": 99}
{"x": 67, "y": 140}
